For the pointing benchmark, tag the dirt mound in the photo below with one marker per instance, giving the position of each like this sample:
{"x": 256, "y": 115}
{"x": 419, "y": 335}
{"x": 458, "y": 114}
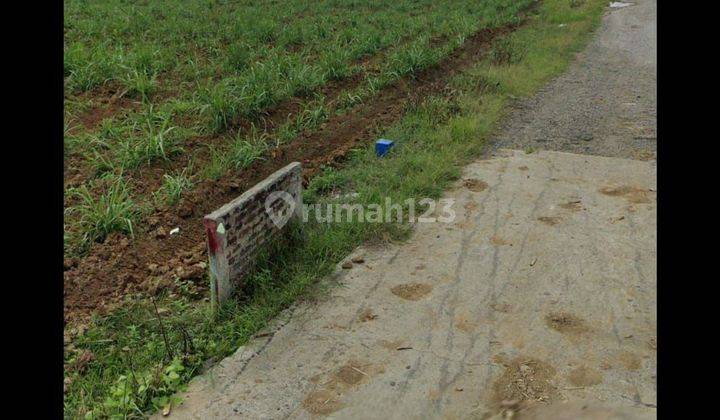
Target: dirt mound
{"x": 475, "y": 185}
{"x": 411, "y": 291}
{"x": 584, "y": 376}
{"x": 326, "y": 398}
{"x": 524, "y": 381}
{"x": 566, "y": 323}
{"x": 632, "y": 194}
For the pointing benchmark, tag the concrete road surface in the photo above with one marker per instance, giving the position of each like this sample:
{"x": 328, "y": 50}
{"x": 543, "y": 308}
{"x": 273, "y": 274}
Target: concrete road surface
{"x": 537, "y": 301}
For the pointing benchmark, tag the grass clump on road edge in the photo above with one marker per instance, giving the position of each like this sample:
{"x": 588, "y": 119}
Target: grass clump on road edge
{"x": 131, "y": 362}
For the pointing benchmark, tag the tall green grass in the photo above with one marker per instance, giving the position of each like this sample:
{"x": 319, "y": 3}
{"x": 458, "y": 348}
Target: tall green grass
{"x": 220, "y": 64}
{"x": 100, "y": 215}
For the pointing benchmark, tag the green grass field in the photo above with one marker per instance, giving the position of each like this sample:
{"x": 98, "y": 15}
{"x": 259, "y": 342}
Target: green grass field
{"x": 143, "y": 78}
{"x": 197, "y": 81}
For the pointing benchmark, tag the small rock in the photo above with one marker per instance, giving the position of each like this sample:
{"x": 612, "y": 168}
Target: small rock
{"x": 347, "y": 265}
{"x": 69, "y": 263}
{"x": 175, "y": 231}
{"x": 358, "y": 260}
{"x": 160, "y": 233}
{"x": 185, "y": 211}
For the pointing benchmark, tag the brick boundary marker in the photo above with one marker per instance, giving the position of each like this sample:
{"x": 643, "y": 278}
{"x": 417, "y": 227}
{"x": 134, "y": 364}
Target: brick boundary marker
{"x": 237, "y": 231}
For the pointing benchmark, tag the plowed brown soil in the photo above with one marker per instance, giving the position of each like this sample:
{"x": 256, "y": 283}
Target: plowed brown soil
{"x": 149, "y": 263}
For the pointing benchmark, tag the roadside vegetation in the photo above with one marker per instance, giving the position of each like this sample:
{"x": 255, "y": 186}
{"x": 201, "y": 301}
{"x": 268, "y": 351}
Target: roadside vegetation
{"x": 206, "y": 70}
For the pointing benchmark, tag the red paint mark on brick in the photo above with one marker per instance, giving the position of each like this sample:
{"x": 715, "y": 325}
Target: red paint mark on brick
{"x": 213, "y": 240}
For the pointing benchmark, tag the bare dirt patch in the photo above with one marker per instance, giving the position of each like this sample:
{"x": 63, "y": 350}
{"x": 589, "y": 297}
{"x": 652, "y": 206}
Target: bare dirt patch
{"x": 367, "y": 315}
{"x": 105, "y": 102}
{"x": 464, "y": 323}
{"x": 629, "y": 361}
{"x": 350, "y": 374}
{"x": 584, "y": 376}
{"x": 499, "y": 241}
{"x": 644, "y": 155}
{"x": 475, "y": 185}
{"x": 566, "y": 323}
{"x": 92, "y": 118}
{"x": 632, "y": 194}
{"x": 322, "y": 402}
{"x": 327, "y": 397}
{"x": 470, "y": 207}
{"x": 525, "y": 380}
{"x": 550, "y": 220}
{"x": 412, "y": 291}
{"x": 573, "y": 205}
{"x": 391, "y": 345}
